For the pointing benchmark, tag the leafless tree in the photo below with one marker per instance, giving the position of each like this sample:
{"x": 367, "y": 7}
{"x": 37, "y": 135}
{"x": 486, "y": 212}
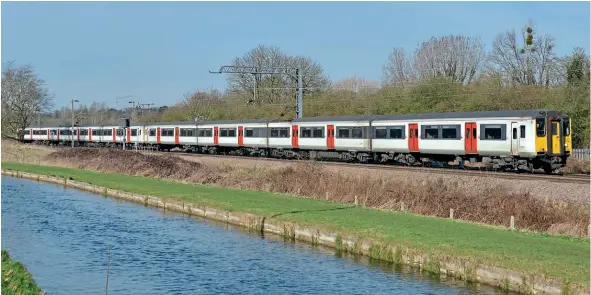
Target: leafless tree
{"x": 398, "y": 71}
{"x": 273, "y": 88}
{"x": 531, "y": 63}
{"x": 357, "y": 85}
{"x": 458, "y": 58}
{"x": 24, "y": 97}
{"x": 200, "y": 104}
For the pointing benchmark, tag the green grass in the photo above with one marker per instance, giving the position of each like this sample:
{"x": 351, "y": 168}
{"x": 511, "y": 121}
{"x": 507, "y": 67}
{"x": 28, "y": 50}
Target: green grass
{"x": 16, "y": 279}
{"x": 554, "y": 256}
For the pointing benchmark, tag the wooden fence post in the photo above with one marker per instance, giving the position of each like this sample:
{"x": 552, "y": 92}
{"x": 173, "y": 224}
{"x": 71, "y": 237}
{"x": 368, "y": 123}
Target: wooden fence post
{"x": 451, "y": 213}
{"x": 512, "y": 222}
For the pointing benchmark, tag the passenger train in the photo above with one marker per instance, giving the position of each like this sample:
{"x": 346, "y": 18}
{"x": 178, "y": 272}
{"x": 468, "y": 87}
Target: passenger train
{"x": 520, "y": 140}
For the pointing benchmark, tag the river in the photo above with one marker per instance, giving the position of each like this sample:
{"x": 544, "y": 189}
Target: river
{"x": 63, "y": 236}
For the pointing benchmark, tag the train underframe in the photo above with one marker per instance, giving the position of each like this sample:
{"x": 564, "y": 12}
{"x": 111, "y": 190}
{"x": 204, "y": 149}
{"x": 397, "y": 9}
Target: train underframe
{"x": 548, "y": 163}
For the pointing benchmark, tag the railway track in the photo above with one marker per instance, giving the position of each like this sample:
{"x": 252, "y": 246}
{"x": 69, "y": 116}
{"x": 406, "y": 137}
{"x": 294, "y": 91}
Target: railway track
{"x": 578, "y": 178}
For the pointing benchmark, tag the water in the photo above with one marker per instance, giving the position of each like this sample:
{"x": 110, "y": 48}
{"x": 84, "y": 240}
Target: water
{"x": 62, "y": 236}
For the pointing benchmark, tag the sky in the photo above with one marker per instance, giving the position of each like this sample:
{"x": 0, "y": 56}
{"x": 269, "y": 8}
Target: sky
{"x": 158, "y": 51}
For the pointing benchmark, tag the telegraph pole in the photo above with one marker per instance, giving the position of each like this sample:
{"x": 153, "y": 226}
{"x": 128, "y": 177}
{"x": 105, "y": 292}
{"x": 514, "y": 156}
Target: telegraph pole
{"x": 270, "y": 71}
{"x": 72, "y": 130}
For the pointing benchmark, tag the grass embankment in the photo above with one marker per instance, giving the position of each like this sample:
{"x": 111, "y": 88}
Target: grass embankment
{"x": 559, "y": 257}
{"x": 16, "y": 279}
{"x": 480, "y": 200}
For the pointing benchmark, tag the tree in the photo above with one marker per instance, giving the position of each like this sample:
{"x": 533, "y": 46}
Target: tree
{"x": 458, "y": 58}
{"x": 275, "y": 88}
{"x": 399, "y": 70}
{"x": 577, "y": 68}
{"x": 356, "y": 85}
{"x": 24, "y": 97}
{"x": 531, "y": 63}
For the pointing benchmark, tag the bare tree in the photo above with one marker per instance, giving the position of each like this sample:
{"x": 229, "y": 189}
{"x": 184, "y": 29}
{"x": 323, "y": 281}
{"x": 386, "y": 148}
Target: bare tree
{"x": 398, "y": 71}
{"x": 458, "y": 58}
{"x": 24, "y": 97}
{"x": 357, "y": 85}
{"x": 201, "y": 104}
{"x": 273, "y": 88}
{"x": 531, "y": 63}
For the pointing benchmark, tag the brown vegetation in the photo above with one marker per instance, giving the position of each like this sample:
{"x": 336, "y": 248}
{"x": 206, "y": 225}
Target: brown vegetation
{"x": 577, "y": 166}
{"x": 486, "y": 203}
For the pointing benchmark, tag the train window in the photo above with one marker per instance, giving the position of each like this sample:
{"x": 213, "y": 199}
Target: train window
{"x": 231, "y": 132}
{"x": 223, "y": 132}
{"x": 318, "y": 132}
{"x": 554, "y": 129}
{"x": 514, "y": 133}
{"x": 565, "y": 127}
{"x": 343, "y": 133}
{"x": 203, "y": 132}
{"x": 84, "y": 132}
{"x": 152, "y": 132}
{"x": 120, "y": 132}
{"x": 381, "y": 133}
{"x": 27, "y": 132}
{"x": 187, "y": 132}
{"x": 522, "y": 131}
{"x": 274, "y": 132}
{"x": 133, "y": 132}
{"x": 357, "y": 132}
{"x": 449, "y": 132}
{"x": 284, "y": 132}
{"x": 249, "y": 132}
{"x": 492, "y": 131}
{"x": 541, "y": 127}
{"x": 395, "y": 133}
{"x": 167, "y": 132}
{"x": 108, "y": 132}
{"x": 306, "y": 132}
{"x": 95, "y": 132}
{"x": 431, "y": 133}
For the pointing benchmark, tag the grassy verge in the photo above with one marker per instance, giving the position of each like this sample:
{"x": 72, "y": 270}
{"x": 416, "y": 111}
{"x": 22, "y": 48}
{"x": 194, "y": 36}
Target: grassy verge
{"x": 560, "y": 257}
{"x": 16, "y": 279}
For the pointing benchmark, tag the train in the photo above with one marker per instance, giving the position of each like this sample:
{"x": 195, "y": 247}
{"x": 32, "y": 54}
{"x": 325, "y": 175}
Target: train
{"x": 517, "y": 140}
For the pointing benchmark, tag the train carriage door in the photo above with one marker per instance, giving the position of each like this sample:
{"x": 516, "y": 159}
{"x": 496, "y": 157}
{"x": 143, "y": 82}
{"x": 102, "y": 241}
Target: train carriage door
{"x": 176, "y": 135}
{"x": 78, "y": 134}
{"x": 330, "y": 136}
{"x": 216, "y": 135}
{"x": 240, "y": 135}
{"x": 470, "y": 141}
{"x": 556, "y": 146}
{"x": 413, "y": 137}
{"x": 114, "y": 135}
{"x": 158, "y": 135}
{"x": 294, "y": 136}
{"x": 89, "y": 134}
{"x": 514, "y": 139}
{"x": 128, "y": 130}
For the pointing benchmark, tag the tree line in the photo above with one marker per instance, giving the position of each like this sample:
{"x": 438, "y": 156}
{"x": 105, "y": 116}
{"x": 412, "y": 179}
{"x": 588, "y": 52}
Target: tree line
{"x": 443, "y": 74}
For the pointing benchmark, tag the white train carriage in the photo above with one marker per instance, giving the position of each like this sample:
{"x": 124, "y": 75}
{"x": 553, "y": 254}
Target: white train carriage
{"x": 205, "y": 135}
{"x": 225, "y": 133}
{"x": 281, "y": 135}
{"x": 334, "y": 133}
{"x": 254, "y": 133}
{"x": 82, "y": 134}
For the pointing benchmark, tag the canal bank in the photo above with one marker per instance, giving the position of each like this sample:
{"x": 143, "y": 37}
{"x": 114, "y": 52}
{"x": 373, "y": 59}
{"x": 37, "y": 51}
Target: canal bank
{"x": 15, "y": 277}
{"x": 440, "y": 246}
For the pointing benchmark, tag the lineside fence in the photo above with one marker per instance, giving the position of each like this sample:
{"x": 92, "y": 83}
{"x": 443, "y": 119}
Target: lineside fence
{"x": 581, "y": 154}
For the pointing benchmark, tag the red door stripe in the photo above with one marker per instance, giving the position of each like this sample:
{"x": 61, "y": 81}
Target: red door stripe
{"x": 176, "y": 135}
{"x": 114, "y": 135}
{"x": 158, "y": 135}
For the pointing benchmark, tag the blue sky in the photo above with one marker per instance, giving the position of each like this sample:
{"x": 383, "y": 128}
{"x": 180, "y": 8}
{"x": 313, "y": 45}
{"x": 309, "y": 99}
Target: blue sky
{"x": 158, "y": 51}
